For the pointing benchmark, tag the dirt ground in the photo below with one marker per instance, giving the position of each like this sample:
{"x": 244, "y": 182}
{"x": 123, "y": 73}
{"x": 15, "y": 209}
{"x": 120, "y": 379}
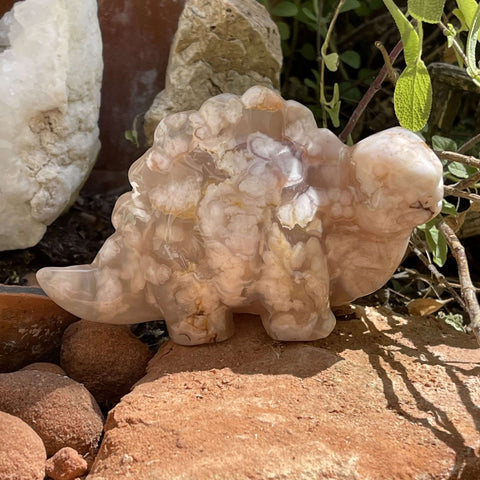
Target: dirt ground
{"x": 74, "y": 238}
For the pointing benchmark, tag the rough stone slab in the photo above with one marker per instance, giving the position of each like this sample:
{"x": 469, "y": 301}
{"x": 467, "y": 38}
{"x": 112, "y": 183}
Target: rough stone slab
{"x": 383, "y": 397}
{"x": 221, "y": 46}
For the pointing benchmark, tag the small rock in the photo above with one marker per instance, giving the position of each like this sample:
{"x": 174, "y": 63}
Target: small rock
{"x": 45, "y": 367}
{"x": 107, "y": 359}
{"x": 221, "y": 46}
{"x": 60, "y": 410}
{"x": 66, "y": 464}
{"x": 31, "y": 327}
{"x": 22, "y": 453}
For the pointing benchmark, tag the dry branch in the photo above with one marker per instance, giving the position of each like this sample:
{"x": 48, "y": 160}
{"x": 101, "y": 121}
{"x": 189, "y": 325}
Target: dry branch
{"x": 370, "y": 93}
{"x": 460, "y": 193}
{"x": 467, "y": 288}
{"x": 458, "y": 157}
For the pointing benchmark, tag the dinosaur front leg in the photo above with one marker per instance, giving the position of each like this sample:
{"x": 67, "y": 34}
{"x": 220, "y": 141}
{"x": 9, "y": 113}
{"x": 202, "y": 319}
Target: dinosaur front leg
{"x": 294, "y": 289}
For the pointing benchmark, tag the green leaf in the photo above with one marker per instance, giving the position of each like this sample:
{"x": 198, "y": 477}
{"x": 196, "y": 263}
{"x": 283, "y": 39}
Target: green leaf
{"x": 350, "y": 5}
{"x": 309, "y": 14}
{"x": 461, "y": 17}
{"x": 308, "y": 52}
{"x": 448, "y": 208}
{"x": 351, "y": 58}
{"x": 131, "y": 136}
{"x": 284, "y": 30}
{"x": 436, "y": 242}
{"x": 331, "y": 61}
{"x": 458, "y": 170}
{"x": 311, "y": 84}
{"x": 316, "y": 74}
{"x": 333, "y": 106}
{"x": 450, "y": 33}
{"x": 443, "y": 143}
{"x": 413, "y": 97}
{"x": 410, "y": 39}
{"x": 349, "y": 93}
{"x": 429, "y": 11}
{"x": 334, "y": 114}
{"x": 467, "y": 9}
{"x": 285, "y": 9}
{"x": 472, "y": 39}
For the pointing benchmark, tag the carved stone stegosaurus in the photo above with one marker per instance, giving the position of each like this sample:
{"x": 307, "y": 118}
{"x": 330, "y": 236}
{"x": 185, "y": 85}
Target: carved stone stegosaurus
{"x": 246, "y": 205}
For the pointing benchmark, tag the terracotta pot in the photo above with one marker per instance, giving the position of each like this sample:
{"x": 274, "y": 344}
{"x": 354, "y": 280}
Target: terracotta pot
{"x": 137, "y": 35}
{"x": 31, "y": 327}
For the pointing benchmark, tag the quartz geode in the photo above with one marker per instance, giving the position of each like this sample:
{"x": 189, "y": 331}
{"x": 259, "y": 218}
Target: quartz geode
{"x": 51, "y": 69}
{"x": 245, "y": 205}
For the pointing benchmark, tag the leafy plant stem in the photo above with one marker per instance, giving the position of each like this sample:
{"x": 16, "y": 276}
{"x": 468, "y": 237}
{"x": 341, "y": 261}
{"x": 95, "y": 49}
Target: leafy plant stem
{"x": 370, "y": 93}
{"x": 471, "y": 64}
{"x": 390, "y": 71}
{"x": 323, "y": 51}
{"x": 455, "y": 44}
{"x": 467, "y": 288}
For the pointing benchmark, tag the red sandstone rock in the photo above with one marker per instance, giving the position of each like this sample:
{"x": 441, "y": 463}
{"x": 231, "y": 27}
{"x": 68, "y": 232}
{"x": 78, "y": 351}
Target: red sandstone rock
{"x": 45, "y": 367}
{"x": 22, "y": 453}
{"x": 60, "y": 410}
{"x": 31, "y": 327}
{"x": 107, "y": 359}
{"x": 66, "y": 464}
{"x": 383, "y": 397}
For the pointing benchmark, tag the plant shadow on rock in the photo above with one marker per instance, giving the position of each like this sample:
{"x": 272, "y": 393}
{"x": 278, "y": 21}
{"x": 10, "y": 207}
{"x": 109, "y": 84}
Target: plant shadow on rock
{"x": 424, "y": 370}
{"x": 378, "y": 373}
{"x": 418, "y": 366}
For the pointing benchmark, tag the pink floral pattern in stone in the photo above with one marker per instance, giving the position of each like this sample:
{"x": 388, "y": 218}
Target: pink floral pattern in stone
{"x": 245, "y": 205}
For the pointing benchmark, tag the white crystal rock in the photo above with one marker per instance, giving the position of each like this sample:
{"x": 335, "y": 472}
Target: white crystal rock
{"x": 247, "y": 205}
{"x": 50, "y": 77}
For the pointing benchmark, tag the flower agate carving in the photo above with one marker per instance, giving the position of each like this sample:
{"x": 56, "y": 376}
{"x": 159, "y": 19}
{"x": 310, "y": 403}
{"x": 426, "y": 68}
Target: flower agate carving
{"x": 245, "y": 205}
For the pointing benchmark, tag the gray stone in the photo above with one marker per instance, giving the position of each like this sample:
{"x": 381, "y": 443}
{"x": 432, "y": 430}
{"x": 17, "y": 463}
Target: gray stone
{"x": 221, "y": 46}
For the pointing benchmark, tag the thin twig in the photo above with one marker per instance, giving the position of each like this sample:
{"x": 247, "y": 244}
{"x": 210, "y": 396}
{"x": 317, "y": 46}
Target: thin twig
{"x": 438, "y": 276}
{"x": 468, "y": 182}
{"x": 470, "y": 144}
{"x": 468, "y": 289}
{"x": 355, "y": 33}
{"x": 429, "y": 280}
{"x": 457, "y": 47}
{"x": 448, "y": 190}
{"x": 369, "y": 94}
{"x": 392, "y": 76}
{"x": 458, "y": 157}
